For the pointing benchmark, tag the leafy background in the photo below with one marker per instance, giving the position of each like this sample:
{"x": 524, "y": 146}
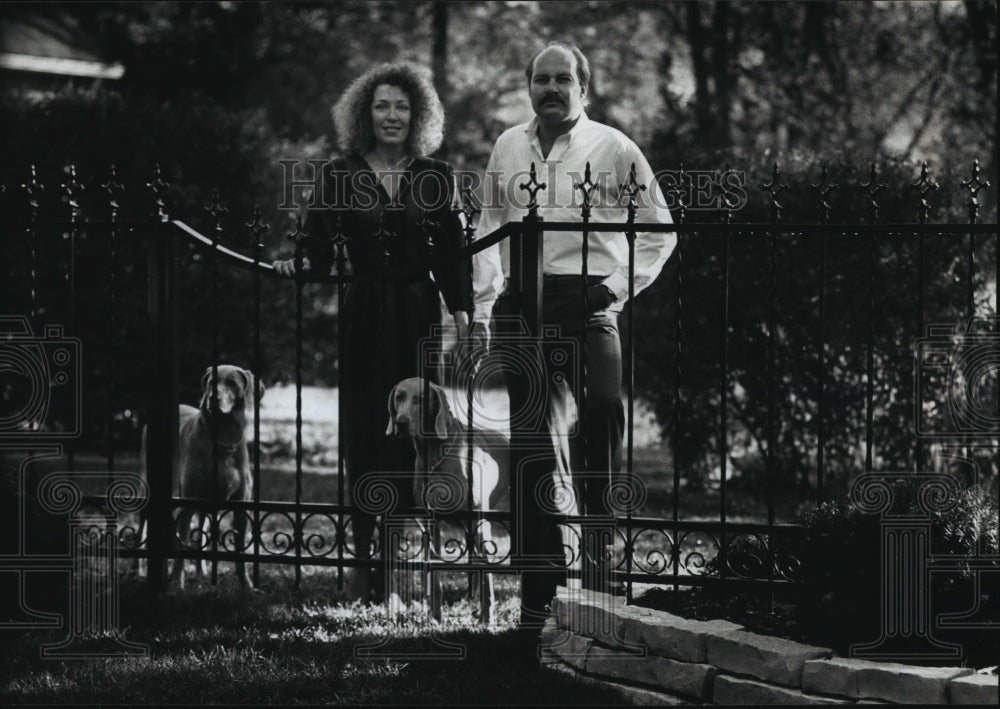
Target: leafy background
{"x": 217, "y": 93}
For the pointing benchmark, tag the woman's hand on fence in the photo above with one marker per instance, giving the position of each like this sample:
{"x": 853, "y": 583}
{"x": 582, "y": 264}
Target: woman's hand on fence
{"x": 286, "y": 267}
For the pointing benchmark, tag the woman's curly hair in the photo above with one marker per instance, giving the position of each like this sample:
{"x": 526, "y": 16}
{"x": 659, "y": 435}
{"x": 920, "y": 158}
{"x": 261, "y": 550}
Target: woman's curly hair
{"x": 352, "y": 114}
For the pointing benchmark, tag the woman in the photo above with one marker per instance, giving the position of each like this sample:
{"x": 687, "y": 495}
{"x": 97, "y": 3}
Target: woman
{"x": 391, "y": 206}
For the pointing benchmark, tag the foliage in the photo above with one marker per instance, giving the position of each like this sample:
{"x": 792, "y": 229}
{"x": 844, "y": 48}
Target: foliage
{"x": 772, "y": 364}
{"x": 839, "y": 603}
{"x": 199, "y": 147}
{"x": 835, "y": 79}
{"x": 844, "y": 568}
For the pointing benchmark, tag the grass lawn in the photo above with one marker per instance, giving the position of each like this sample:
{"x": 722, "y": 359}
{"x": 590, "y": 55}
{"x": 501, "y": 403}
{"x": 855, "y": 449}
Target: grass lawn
{"x": 282, "y": 645}
{"x": 279, "y": 646}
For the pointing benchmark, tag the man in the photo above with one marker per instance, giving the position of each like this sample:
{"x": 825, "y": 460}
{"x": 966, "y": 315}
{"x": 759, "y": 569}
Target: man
{"x": 560, "y": 141}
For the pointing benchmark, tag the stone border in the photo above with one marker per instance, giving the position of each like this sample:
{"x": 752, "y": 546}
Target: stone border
{"x": 717, "y": 662}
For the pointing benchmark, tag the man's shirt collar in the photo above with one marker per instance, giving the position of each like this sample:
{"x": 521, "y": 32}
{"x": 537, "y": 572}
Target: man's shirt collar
{"x": 531, "y": 128}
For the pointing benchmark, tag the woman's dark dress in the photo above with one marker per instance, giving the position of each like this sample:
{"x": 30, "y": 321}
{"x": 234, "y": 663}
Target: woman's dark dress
{"x": 384, "y": 322}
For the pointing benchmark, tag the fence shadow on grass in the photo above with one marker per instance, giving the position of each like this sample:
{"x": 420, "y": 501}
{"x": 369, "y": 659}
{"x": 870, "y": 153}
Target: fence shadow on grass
{"x": 226, "y": 645}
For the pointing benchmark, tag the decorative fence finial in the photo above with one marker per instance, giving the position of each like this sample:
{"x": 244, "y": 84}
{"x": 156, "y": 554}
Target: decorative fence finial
{"x": 532, "y": 186}
{"x": 112, "y": 187}
{"x": 825, "y": 187}
{"x": 586, "y": 188}
{"x": 974, "y": 184}
{"x": 157, "y": 186}
{"x": 631, "y": 189}
{"x": 384, "y": 238}
{"x": 298, "y": 236}
{"x": 471, "y": 209}
{"x": 680, "y": 188}
{"x": 923, "y": 187}
{"x": 339, "y": 240}
{"x": 429, "y": 227}
{"x": 71, "y": 189}
{"x": 770, "y": 188}
{"x": 33, "y": 188}
{"x": 216, "y": 209}
{"x": 257, "y": 227}
{"x": 722, "y": 186}
{"x": 872, "y": 189}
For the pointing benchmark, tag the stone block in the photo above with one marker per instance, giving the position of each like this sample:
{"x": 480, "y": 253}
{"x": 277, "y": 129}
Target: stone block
{"x": 637, "y": 696}
{"x": 686, "y": 678}
{"x": 668, "y": 635}
{"x": 890, "y": 681}
{"x": 833, "y": 676}
{"x": 764, "y": 657}
{"x": 621, "y": 665}
{"x": 734, "y": 690}
{"x": 641, "y": 697}
{"x": 595, "y": 615}
{"x": 907, "y": 684}
{"x": 547, "y": 657}
{"x": 551, "y": 635}
{"x": 570, "y": 648}
{"x": 975, "y": 689}
{"x": 549, "y": 630}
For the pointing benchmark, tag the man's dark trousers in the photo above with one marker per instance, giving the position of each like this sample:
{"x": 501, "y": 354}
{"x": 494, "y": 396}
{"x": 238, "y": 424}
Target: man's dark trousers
{"x": 550, "y": 447}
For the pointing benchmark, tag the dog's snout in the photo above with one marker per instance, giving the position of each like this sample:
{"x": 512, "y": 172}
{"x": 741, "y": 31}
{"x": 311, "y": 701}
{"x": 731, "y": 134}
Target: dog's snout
{"x": 224, "y": 398}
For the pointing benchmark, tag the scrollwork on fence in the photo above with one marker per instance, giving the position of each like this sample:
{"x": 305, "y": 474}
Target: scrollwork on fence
{"x": 656, "y": 552}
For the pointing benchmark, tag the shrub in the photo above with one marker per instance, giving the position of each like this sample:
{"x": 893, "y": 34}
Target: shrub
{"x": 843, "y": 568}
{"x": 840, "y": 601}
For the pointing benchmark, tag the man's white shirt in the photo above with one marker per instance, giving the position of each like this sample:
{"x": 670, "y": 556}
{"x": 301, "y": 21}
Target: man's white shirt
{"x": 611, "y": 155}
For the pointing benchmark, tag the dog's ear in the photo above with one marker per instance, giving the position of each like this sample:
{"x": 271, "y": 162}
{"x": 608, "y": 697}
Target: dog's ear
{"x": 391, "y": 428}
{"x": 206, "y": 388}
{"x": 442, "y": 422}
{"x": 250, "y": 381}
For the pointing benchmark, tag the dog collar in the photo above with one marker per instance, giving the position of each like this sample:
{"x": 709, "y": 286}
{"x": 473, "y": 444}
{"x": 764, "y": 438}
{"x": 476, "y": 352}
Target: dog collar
{"x": 229, "y": 448}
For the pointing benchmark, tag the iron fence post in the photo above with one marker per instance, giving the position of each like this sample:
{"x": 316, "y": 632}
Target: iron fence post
{"x": 536, "y": 591}
{"x": 161, "y": 431}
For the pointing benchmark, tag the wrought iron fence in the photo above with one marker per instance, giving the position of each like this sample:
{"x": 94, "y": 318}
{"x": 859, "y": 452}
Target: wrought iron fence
{"x": 667, "y": 548}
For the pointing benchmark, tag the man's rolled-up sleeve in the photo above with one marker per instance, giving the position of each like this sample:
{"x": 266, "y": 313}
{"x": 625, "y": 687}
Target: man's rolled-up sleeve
{"x": 487, "y": 268}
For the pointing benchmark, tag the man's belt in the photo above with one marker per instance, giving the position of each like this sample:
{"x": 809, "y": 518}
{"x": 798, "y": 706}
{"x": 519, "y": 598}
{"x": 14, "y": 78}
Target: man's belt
{"x": 560, "y": 280}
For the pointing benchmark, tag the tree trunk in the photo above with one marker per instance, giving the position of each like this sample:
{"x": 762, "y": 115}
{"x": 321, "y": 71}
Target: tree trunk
{"x": 439, "y": 58}
{"x": 722, "y": 73}
{"x": 699, "y": 61}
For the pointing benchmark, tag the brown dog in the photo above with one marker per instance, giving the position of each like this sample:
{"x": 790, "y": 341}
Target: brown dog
{"x": 212, "y": 461}
{"x": 419, "y": 409}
